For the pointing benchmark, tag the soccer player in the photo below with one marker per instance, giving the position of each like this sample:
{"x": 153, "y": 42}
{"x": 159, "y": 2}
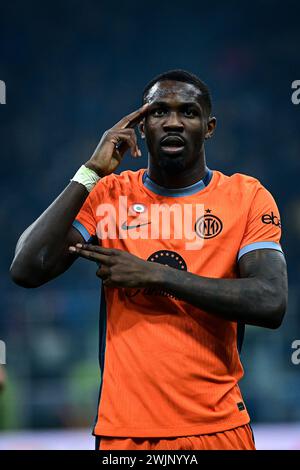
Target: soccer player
{"x": 173, "y": 304}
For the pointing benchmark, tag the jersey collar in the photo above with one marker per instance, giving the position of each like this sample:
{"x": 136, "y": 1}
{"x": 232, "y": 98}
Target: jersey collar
{"x": 177, "y": 192}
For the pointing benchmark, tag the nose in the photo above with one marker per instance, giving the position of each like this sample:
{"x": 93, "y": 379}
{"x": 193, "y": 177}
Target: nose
{"x": 173, "y": 122}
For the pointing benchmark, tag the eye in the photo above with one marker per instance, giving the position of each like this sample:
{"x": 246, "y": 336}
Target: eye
{"x": 190, "y": 112}
{"x": 158, "y": 112}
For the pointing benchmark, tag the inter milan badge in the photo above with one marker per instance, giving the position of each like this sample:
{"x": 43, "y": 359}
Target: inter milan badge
{"x": 208, "y": 225}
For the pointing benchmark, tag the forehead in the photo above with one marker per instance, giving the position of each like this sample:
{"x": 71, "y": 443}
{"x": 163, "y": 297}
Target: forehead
{"x": 173, "y": 90}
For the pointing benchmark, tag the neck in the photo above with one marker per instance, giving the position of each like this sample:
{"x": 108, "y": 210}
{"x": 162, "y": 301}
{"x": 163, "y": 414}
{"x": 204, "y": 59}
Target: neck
{"x": 182, "y": 179}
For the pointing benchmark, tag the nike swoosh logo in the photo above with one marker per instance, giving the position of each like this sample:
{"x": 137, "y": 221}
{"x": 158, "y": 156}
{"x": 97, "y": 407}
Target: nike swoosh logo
{"x": 128, "y": 227}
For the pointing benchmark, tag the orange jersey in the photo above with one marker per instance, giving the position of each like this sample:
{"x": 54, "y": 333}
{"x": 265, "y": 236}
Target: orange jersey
{"x": 168, "y": 368}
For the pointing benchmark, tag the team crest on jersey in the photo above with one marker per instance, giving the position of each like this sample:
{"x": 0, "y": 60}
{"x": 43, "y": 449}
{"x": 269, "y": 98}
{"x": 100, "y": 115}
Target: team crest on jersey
{"x": 168, "y": 258}
{"x": 208, "y": 225}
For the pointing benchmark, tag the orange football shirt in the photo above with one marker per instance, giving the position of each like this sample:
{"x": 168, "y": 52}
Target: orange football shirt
{"x": 167, "y": 367}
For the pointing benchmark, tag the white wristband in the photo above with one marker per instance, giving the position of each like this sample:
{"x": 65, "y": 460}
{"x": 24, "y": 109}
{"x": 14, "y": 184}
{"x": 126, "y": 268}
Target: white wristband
{"x": 87, "y": 177}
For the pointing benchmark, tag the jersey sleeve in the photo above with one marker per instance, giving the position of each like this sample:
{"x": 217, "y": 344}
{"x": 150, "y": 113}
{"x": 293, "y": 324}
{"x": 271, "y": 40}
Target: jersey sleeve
{"x": 263, "y": 228}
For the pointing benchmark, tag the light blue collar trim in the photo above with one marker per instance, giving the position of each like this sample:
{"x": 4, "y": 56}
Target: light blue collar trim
{"x": 177, "y": 192}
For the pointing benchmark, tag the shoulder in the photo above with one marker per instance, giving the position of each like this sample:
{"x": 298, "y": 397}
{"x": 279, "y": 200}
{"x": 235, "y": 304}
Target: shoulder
{"x": 114, "y": 182}
{"x": 239, "y": 183}
{"x": 237, "y": 180}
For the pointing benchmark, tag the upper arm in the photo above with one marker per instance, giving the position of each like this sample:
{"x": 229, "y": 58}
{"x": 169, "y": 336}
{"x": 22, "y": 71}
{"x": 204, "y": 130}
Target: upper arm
{"x": 67, "y": 258}
{"x": 74, "y": 236}
{"x": 269, "y": 267}
{"x": 260, "y": 255}
{"x": 263, "y": 226}
{"x": 82, "y": 230}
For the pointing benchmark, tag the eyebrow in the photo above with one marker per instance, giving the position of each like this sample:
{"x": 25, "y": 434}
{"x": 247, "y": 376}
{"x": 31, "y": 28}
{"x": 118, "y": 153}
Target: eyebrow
{"x": 186, "y": 103}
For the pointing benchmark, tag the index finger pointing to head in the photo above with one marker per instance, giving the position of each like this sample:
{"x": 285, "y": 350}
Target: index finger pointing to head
{"x": 132, "y": 119}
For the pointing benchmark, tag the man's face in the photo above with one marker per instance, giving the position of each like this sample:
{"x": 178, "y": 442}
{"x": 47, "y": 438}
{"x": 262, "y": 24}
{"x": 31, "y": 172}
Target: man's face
{"x": 176, "y": 125}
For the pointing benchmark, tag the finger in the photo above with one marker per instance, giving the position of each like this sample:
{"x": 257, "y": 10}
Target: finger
{"x": 91, "y": 255}
{"x": 103, "y": 272}
{"x": 97, "y": 248}
{"x": 132, "y": 133}
{"x": 132, "y": 119}
{"x": 126, "y": 141}
{"x": 116, "y": 137}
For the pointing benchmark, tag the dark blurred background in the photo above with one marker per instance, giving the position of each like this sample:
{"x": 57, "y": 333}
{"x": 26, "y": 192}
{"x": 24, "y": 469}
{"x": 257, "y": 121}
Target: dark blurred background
{"x": 72, "y": 69}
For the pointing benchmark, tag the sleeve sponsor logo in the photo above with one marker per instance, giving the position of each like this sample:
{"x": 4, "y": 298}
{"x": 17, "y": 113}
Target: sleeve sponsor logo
{"x": 271, "y": 219}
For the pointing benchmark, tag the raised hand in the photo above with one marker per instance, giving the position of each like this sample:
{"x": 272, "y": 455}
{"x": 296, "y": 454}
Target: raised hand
{"x": 115, "y": 142}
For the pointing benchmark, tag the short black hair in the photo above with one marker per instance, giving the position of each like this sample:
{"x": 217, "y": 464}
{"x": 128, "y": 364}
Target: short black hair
{"x": 179, "y": 75}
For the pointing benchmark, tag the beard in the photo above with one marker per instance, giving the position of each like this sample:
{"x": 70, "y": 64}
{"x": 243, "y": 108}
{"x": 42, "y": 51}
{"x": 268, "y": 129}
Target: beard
{"x": 172, "y": 164}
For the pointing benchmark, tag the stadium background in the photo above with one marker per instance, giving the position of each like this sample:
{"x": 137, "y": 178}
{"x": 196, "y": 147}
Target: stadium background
{"x": 72, "y": 69}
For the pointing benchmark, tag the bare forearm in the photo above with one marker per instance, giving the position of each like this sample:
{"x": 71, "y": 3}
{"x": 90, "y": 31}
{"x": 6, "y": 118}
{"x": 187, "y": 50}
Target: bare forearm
{"x": 258, "y": 297}
{"x": 42, "y": 251}
{"x": 250, "y": 300}
{"x": 40, "y": 246}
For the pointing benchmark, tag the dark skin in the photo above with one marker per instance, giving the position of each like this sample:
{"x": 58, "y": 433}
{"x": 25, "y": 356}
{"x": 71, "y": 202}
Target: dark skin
{"x": 258, "y": 297}
{"x": 176, "y": 109}
{"x": 42, "y": 250}
{"x": 252, "y": 299}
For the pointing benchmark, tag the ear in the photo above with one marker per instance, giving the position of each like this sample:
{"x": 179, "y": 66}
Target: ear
{"x": 211, "y": 125}
{"x": 142, "y": 129}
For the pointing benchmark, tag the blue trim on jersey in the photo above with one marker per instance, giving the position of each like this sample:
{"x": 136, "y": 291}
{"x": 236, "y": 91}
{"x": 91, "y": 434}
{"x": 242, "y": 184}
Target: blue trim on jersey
{"x": 259, "y": 246}
{"x": 102, "y": 344}
{"x": 82, "y": 230}
{"x": 177, "y": 192}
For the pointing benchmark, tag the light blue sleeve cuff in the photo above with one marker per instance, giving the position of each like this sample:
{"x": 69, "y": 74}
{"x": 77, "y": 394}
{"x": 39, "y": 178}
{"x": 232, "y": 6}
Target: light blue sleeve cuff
{"x": 259, "y": 246}
{"x": 81, "y": 229}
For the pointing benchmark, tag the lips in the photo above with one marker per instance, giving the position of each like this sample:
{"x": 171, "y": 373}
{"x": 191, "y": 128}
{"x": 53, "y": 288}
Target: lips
{"x": 172, "y": 141}
{"x": 172, "y": 144}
